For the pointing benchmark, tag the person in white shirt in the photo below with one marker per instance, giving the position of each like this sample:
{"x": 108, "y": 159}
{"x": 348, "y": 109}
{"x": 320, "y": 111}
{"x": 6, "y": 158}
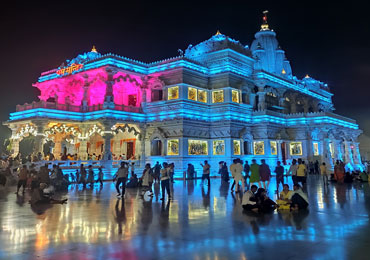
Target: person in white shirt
{"x": 165, "y": 181}
{"x": 293, "y": 171}
{"x": 249, "y": 201}
{"x": 121, "y": 177}
{"x": 236, "y": 170}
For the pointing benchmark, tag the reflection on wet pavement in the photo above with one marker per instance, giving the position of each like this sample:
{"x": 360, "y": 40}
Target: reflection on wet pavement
{"x": 200, "y": 223}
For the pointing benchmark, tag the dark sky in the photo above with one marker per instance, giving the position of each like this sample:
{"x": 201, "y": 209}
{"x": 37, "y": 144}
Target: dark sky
{"x": 328, "y": 41}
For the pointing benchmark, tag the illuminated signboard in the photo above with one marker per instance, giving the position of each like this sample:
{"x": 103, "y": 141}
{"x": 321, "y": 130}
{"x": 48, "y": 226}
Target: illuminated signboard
{"x": 70, "y": 69}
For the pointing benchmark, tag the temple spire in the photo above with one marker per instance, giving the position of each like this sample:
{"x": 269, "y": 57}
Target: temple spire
{"x": 218, "y": 33}
{"x": 265, "y": 26}
{"x": 94, "y": 49}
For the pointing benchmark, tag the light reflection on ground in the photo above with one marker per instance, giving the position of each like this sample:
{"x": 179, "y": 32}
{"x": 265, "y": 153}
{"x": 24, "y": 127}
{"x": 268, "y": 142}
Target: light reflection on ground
{"x": 200, "y": 223}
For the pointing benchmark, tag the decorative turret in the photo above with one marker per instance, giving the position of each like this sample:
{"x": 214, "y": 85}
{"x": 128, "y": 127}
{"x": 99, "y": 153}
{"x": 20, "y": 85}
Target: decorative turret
{"x": 269, "y": 55}
{"x": 265, "y": 25}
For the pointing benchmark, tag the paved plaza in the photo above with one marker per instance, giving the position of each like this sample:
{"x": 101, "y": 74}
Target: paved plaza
{"x": 200, "y": 223}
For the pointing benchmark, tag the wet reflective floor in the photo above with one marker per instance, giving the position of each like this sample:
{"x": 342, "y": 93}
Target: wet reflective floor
{"x": 200, "y": 223}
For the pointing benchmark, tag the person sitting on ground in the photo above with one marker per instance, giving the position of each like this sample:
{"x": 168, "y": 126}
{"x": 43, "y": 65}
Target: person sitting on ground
{"x": 299, "y": 199}
{"x": 249, "y": 202}
{"x": 364, "y": 177}
{"x": 348, "y": 178}
{"x": 133, "y": 182}
{"x": 266, "y": 204}
{"x": 38, "y": 196}
{"x": 284, "y": 198}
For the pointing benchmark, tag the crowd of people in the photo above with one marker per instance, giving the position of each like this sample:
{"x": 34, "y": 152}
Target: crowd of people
{"x": 250, "y": 180}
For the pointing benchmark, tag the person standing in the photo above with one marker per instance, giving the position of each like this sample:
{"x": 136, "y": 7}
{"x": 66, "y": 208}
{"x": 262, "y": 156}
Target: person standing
{"x": 157, "y": 171}
{"x": 121, "y": 176}
{"x": 22, "y": 179}
{"x": 147, "y": 179}
{"x": 246, "y": 169}
{"x": 265, "y": 174}
{"x": 279, "y": 170}
{"x": 83, "y": 175}
{"x": 206, "y": 172}
{"x": 293, "y": 171}
{"x": 90, "y": 178}
{"x": 324, "y": 174}
{"x": 100, "y": 176}
{"x": 236, "y": 169}
{"x": 339, "y": 172}
{"x": 171, "y": 169}
{"x": 255, "y": 173}
{"x": 301, "y": 172}
{"x": 165, "y": 181}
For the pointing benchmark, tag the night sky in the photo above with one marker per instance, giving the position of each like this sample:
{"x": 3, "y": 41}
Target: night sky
{"x": 330, "y": 42}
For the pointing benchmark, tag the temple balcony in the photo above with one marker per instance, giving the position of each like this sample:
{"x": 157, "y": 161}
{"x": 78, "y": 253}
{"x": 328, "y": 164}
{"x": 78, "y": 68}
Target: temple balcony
{"x": 71, "y": 108}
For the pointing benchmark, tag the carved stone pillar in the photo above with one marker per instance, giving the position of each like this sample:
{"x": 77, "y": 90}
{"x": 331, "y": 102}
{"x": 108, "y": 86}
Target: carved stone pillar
{"x": 327, "y": 154}
{"x": 357, "y": 155}
{"x": 107, "y": 147}
{"x": 293, "y": 107}
{"x": 15, "y": 147}
{"x": 85, "y": 100}
{"x": 39, "y": 138}
{"x": 57, "y": 147}
{"x": 261, "y": 100}
{"x": 348, "y": 152}
{"x": 338, "y": 150}
{"x": 109, "y": 99}
{"x": 82, "y": 150}
{"x": 279, "y": 152}
{"x": 252, "y": 100}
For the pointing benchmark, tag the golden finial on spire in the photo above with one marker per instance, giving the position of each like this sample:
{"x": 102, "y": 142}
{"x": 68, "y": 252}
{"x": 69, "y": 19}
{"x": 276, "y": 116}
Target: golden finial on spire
{"x": 218, "y": 32}
{"x": 94, "y": 49}
{"x": 265, "y": 26}
{"x": 307, "y": 76}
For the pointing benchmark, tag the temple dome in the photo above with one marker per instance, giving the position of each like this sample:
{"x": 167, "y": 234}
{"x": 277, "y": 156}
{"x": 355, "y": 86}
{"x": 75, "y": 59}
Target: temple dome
{"x": 269, "y": 55}
{"x": 85, "y": 57}
{"x": 217, "y": 42}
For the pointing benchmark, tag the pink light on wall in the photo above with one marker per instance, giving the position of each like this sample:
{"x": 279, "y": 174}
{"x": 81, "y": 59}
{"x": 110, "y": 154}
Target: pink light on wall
{"x": 97, "y": 87}
{"x": 127, "y": 89}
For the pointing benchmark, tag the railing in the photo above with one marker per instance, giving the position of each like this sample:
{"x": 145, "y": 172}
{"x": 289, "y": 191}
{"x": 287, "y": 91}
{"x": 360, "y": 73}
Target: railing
{"x": 70, "y": 164}
{"x": 72, "y": 108}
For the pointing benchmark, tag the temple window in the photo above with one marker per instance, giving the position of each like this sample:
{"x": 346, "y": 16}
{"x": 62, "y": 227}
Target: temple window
{"x": 273, "y": 147}
{"x": 236, "y": 147}
{"x": 296, "y": 148}
{"x": 156, "y": 147}
{"x": 192, "y": 94}
{"x": 259, "y": 147}
{"x": 202, "y": 96}
{"x": 197, "y": 147}
{"x": 217, "y": 96}
{"x": 132, "y": 99}
{"x": 173, "y": 93}
{"x": 173, "y": 147}
{"x": 316, "y": 151}
{"x": 218, "y": 147}
{"x": 157, "y": 95}
{"x": 235, "y": 96}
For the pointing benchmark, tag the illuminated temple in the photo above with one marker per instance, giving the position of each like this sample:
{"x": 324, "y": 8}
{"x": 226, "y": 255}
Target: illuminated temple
{"x": 217, "y": 101}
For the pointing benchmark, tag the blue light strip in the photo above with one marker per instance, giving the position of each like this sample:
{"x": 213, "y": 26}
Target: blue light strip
{"x": 299, "y": 88}
{"x": 194, "y": 114}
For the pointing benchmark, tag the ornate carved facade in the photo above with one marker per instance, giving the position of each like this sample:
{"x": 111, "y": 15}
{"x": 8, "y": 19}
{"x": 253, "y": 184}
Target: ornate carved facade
{"x": 218, "y": 101}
